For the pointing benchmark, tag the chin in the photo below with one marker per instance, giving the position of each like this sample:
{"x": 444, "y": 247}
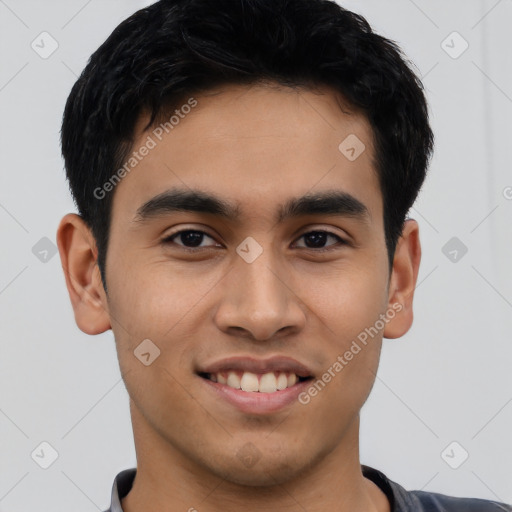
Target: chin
{"x": 265, "y": 471}
{"x": 258, "y": 477}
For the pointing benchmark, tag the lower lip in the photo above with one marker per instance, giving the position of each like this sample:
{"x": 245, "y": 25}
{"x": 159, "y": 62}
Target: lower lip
{"x": 254, "y": 402}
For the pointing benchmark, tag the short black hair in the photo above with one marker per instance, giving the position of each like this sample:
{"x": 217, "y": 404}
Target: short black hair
{"x": 175, "y": 48}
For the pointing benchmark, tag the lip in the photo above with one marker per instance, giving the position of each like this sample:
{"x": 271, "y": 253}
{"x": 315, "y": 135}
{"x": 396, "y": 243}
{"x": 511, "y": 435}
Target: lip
{"x": 259, "y": 366}
{"x": 254, "y": 402}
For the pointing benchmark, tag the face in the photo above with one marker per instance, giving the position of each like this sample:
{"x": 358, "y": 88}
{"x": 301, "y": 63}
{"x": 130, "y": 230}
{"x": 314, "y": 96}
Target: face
{"x": 257, "y": 289}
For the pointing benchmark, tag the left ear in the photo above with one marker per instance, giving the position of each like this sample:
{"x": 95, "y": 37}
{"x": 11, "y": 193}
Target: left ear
{"x": 404, "y": 274}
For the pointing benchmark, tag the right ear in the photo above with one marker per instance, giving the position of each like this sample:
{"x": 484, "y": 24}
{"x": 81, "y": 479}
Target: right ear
{"x": 78, "y": 255}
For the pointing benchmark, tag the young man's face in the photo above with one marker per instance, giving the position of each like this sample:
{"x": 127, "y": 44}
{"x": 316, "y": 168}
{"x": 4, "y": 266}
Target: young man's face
{"x": 251, "y": 287}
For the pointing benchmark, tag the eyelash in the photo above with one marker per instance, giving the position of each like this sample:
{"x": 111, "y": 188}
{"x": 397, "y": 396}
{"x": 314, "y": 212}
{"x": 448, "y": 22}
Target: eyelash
{"x": 169, "y": 240}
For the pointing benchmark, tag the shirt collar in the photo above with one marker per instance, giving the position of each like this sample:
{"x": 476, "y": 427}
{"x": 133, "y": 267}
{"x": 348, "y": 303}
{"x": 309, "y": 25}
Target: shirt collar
{"x": 400, "y": 500}
{"x": 121, "y": 487}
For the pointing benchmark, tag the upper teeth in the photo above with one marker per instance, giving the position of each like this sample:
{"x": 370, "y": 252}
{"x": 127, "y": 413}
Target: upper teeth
{"x": 247, "y": 381}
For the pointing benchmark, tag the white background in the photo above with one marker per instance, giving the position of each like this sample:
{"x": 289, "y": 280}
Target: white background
{"x": 449, "y": 379}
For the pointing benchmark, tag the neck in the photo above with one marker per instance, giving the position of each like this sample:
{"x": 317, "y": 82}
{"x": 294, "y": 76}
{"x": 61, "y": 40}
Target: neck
{"x": 168, "y": 481}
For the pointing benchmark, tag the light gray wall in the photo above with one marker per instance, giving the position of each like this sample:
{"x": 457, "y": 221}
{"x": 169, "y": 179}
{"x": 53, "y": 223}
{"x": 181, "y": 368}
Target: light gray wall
{"x": 448, "y": 379}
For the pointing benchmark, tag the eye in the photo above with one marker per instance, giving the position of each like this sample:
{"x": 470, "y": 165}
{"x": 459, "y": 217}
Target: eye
{"x": 318, "y": 238}
{"x": 192, "y": 238}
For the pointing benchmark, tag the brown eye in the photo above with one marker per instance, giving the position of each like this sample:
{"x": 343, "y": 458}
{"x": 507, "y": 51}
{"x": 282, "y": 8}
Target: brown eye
{"x": 317, "y": 239}
{"x": 189, "y": 238}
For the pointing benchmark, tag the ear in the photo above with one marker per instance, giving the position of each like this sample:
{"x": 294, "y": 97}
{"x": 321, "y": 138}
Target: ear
{"x": 78, "y": 255}
{"x": 404, "y": 274}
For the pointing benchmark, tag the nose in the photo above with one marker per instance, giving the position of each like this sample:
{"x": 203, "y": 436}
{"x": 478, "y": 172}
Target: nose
{"x": 259, "y": 300}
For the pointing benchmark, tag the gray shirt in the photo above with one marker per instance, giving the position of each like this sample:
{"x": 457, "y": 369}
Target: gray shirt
{"x": 399, "y": 499}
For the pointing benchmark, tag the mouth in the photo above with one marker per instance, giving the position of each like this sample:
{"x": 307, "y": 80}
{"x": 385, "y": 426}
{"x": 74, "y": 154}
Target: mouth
{"x": 256, "y": 386}
{"x": 270, "y": 382}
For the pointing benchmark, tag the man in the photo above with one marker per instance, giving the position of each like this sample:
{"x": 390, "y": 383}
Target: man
{"x": 243, "y": 170}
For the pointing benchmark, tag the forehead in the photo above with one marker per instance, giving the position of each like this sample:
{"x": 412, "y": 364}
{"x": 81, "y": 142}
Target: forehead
{"x": 256, "y": 146}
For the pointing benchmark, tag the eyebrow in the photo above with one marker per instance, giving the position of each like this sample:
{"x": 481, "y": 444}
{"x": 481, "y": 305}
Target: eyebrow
{"x": 330, "y": 202}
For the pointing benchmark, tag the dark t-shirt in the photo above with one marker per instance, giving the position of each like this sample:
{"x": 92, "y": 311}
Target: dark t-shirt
{"x": 400, "y": 500}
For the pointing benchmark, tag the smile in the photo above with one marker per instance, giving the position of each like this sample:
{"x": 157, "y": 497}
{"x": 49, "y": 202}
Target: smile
{"x": 269, "y": 382}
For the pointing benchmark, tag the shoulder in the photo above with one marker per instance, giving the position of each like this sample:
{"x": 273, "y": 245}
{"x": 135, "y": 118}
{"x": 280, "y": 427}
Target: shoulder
{"x": 402, "y": 500}
{"x": 435, "y": 502}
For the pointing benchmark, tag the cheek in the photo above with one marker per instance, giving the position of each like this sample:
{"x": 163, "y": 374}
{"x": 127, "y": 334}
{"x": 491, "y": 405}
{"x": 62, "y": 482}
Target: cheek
{"x": 150, "y": 297}
{"x": 161, "y": 303}
{"x": 346, "y": 302}
{"x": 153, "y": 305}
{"x": 347, "y": 309}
